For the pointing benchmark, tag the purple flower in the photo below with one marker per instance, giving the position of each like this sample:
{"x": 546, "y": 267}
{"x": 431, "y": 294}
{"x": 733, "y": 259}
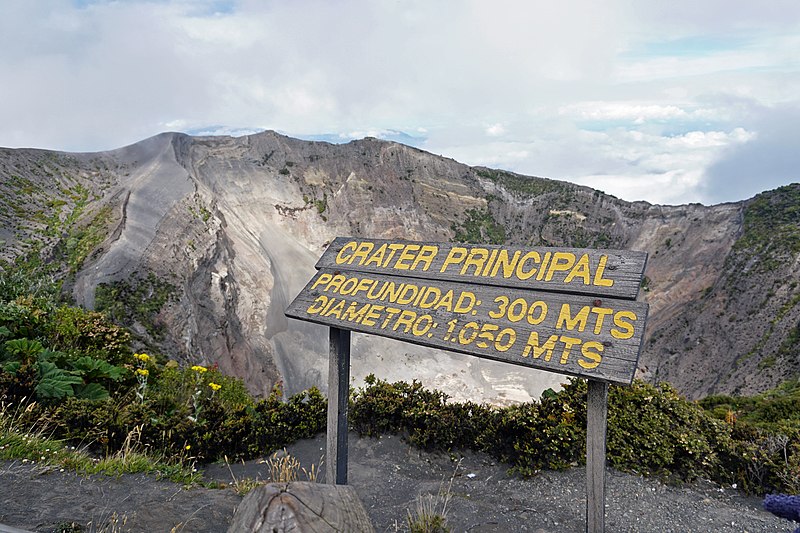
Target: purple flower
{"x": 783, "y": 505}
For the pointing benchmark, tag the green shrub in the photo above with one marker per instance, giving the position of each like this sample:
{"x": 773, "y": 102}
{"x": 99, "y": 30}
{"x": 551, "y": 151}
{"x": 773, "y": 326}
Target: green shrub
{"x": 24, "y": 317}
{"x": 20, "y": 386}
{"x": 78, "y": 331}
{"x": 137, "y": 299}
{"x": 652, "y": 430}
{"x": 528, "y": 436}
{"x": 79, "y": 366}
{"x": 479, "y": 227}
{"x": 384, "y": 407}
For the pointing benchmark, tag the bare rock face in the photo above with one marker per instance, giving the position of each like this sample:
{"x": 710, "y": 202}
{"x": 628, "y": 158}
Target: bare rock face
{"x": 199, "y": 244}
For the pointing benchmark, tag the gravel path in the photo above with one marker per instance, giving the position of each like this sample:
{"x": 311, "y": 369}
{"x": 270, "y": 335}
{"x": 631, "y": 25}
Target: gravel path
{"x": 389, "y": 476}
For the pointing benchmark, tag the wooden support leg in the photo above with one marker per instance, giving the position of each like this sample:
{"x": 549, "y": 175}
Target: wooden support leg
{"x": 338, "y": 393}
{"x": 596, "y": 414}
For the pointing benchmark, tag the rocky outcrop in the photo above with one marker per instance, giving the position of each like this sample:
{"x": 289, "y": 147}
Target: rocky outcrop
{"x": 216, "y": 235}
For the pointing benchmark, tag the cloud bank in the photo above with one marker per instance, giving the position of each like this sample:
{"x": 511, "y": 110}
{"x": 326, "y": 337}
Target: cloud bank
{"x": 669, "y": 103}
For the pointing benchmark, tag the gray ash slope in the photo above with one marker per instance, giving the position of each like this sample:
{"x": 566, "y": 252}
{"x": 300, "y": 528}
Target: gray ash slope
{"x": 390, "y": 477}
{"x": 227, "y": 230}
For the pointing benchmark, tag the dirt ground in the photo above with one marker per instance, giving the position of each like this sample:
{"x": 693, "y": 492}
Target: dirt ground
{"x": 391, "y": 478}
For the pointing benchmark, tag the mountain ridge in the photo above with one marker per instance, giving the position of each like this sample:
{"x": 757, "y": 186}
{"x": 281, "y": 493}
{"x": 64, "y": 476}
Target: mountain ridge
{"x": 217, "y": 235}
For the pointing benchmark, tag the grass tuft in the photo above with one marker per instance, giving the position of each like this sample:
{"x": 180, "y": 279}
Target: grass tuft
{"x": 430, "y": 512}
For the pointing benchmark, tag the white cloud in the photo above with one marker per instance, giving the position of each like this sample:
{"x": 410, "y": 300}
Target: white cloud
{"x": 612, "y": 94}
{"x": 495, "y": 130}
{"x": 613, "y": 111}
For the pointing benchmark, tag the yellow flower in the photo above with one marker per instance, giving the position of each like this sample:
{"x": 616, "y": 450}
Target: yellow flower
{"x": 142, "y": 372}
{"x": 215, "y": 386}
{"x": 142, "y": 357}
{"x": 188, "y": 447}
{"x": 198, "y": 368}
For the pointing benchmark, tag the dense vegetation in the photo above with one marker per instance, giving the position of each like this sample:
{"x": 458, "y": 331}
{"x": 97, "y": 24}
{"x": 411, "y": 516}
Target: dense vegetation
{"x": 771, "y": 228}
{"x": 651, "y": 430}
{"x": 76, "y": 372}
{"x": 479, "y": 227}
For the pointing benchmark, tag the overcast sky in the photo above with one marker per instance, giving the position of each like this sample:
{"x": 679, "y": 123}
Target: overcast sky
{"x": 669, "y": 102}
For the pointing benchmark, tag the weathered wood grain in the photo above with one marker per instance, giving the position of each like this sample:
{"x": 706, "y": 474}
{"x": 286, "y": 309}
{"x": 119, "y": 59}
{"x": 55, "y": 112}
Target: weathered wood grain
{"x": 301, "y": 507}
{"x": 613, "y": 273}
{"x": 597, "y": 338}
{"x": 596, "y": 414}
{"x": 338, "y": 394}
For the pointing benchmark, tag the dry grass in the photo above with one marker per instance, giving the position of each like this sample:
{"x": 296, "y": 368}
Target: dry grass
{"x": 430, "y": 513}
{"x": 283, "y": 468}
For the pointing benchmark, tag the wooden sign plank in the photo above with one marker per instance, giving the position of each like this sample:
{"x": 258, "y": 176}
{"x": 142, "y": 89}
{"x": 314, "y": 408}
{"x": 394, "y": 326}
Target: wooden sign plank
{"x": 614, "y": 273}
{"x": 588, "y": 336}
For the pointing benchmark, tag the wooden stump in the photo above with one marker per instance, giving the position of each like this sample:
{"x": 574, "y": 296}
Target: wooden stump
{"x": 301, "y": 507}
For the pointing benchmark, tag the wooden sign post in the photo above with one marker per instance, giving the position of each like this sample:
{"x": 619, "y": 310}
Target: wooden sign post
{"x": 338, "y": 394}
{"x": 566, "y": 310}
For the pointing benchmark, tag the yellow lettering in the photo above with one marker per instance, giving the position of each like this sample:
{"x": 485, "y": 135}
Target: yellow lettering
{"x": 580, "y": 270}
{"x": 462, "y": 306}
{"x": 542, "y": 306}
{"x": 521, "y": 273}
{"x": 626, "y": 331}
{"x": 468, "y": 333}
{"x": 427, "y": 302}
{"x": 362, "y": 252}
{"x": 406, "y": 319}
{"x": 569, "y": 342}
{"x": 446, "y": 301}
{"x": 377, "y": 257}
{"x": 391, "y": 312}
{"x": 422, "y": 325}
{"x": 562, "y": 261}
{"x": 373, "y": 314}
{"x": 406, "y": 255}
{"x": 508, "y": 265}
{"x": 565, "y": 318}
{"x": 348, "y": 286}
{"x": 322, "y": 279}
{"x": 342, "y": 257}
{"x": 407, "y": 294}
{"x": 392, "y": 291}
{"x": 477, "y": 257}
{"x": 490, "y": 262}
{"x": 543, "y": 266}
{"x": 337, "y": 310}
{"x": 363, "y": 285}
{"x": 598, "y": 274}
{"x": 601, "y": 313}
{"x": 456, "y": 255}
{"x": 335, "y": 283}
{"x": 502, "y": 307}
{"x": 594, "y": 357}
{"x": 328, "y": 306}
{"x": 533, "y": 346}
{"x": 426, "y": 256}
{"x": 317, "y": 305}
{"x": 393, "y": 247}
{"x": 353, "y": 315}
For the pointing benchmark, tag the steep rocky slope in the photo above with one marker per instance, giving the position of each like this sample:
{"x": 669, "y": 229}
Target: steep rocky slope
{"x": 200, "y": 242}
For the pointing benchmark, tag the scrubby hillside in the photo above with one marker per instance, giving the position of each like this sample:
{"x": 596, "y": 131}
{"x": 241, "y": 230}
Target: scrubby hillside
{"x": 198, "y": 243}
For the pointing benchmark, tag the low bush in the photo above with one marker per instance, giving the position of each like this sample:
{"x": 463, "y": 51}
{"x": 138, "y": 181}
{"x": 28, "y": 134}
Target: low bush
{"x": 75, "y": 371}
{"x": 651, "y": 430}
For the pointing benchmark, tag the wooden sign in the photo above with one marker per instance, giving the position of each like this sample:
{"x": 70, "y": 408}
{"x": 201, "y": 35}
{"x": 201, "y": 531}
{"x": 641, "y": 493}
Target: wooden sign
{"x": 613, "y": 273}
{"x": 579, "y": 335}
{"x": 566, "y": 310}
